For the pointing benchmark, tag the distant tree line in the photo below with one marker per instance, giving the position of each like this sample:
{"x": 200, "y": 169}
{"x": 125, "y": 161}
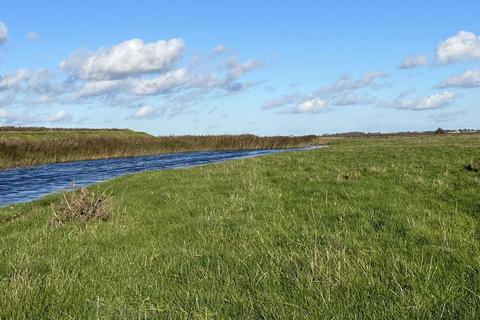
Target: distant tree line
{"x": 13, "y": 128}
{"x": 404, "y": 133}
{"x": 343, "y": 134}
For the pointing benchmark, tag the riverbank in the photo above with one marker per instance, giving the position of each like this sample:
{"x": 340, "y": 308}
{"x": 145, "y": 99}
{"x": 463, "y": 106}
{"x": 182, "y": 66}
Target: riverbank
{"x": 370, "y": 228}
{"x": 26, "y": 184}
{"x": 33, "y": 147}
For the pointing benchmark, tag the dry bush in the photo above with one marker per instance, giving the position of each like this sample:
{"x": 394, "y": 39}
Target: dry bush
{"x": 81, "y": 205}
{"x": 474, "y": 166}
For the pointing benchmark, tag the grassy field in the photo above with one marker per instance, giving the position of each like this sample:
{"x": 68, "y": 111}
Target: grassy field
{"x": 23, "y": 147}
{"x": 366, "y": 228}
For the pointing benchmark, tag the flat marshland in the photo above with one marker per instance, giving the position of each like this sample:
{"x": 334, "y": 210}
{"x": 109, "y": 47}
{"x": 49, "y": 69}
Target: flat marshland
{"x": 385, "y": 227}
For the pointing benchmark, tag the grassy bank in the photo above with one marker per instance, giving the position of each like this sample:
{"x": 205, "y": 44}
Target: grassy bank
{"x": 367, "y": 228}
{"x": 24, "y": 147}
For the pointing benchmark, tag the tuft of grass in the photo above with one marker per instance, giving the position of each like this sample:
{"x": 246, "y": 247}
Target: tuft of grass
{"x": 351, "y": 175}
{"x": 474, "y": 166}
{"x": 81, "y": 205}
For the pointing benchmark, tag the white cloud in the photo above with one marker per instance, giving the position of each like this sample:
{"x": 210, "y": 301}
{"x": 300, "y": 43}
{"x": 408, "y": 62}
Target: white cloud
{"x": 3, "y": 33}
{"x": 33, "y": 36}
{"x": 8, "y": 117}
{"x": 463, "y": 46}
{"x": 98, "y": 88}
{"x": 311, "y": 106}
{"x": 125, "y": 59}
{"x": 343, "y": 92}
{"x": 469, "y": 79}
{"x": 145, "y": 112}
{"x": 138, "y": 69}
{"x": 346, "y": 83}
{"x": 57, "y": 116}
{"x": 162, "y": 83}
{"x": 40, "y": 81}
{"x": 282, "y": 101}
{"x": 25, "y": 87}
{"x": 434, "y": 101}
{"x": 414, "y": 61}
{"x": 235, "y": 69}
{"x": 13, "y": 80}
{"x": 219, "y": 49}
{"x": 125, "y": 74}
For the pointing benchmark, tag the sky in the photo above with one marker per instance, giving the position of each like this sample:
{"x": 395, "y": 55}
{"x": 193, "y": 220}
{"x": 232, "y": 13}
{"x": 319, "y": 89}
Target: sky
{"x": 224, "y": 67}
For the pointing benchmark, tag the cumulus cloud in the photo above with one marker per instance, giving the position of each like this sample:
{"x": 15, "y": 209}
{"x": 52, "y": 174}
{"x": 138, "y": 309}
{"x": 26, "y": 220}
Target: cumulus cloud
{"x": 145, "y": 112}
{"x": 469, "y": 79}
{"x": 434, "y": 101}
{"x": 33, "y": 36}
{"x": 14, "y": 80}
{"x": 415, "y": 61}
{"x": 3, "y": 33}
{"x": 162, "y": 83}
{"x": 313, "y": 105}
{"x": 125, "y": 59}
{"x": 463, "y": 46}
{"x": 123, "y": 75}
{"x": 149, "y": 69}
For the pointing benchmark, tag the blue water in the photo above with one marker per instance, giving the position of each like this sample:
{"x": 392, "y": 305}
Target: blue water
{"x": 26, "y": 184}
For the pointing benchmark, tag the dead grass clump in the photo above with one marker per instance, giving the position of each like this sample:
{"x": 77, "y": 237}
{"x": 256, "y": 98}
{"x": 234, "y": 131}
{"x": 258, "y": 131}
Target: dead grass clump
{"x": 81, "y": 205}
{"x": 474, "y": 166}
{"x": 351, "y": 175}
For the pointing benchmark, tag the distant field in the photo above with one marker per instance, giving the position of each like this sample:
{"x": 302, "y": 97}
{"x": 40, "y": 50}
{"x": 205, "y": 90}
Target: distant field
{"x": 55, "y": 135}
{"x": 27, "y": 147}
{"x": 384, "y": 228}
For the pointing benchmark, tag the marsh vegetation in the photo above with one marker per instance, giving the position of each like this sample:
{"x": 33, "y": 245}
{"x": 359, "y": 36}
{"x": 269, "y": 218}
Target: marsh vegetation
{"x": 20, "y": 148}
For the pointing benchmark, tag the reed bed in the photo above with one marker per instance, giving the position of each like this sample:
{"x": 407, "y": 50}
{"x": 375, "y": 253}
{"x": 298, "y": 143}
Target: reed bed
{"x": 28, "y": 148}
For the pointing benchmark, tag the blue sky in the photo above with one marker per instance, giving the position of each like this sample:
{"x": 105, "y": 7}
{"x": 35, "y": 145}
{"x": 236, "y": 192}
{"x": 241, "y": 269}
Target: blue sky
{"x": 214, "y": 67}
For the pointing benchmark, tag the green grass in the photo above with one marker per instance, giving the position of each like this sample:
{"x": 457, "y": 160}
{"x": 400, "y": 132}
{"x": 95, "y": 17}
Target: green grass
{"x": 367, "y": 228}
